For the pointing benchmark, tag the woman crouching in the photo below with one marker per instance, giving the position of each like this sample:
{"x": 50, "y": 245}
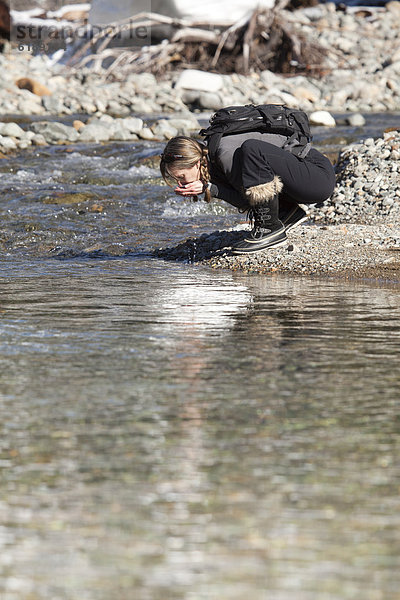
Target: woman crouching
{"x": 252, "y": 172}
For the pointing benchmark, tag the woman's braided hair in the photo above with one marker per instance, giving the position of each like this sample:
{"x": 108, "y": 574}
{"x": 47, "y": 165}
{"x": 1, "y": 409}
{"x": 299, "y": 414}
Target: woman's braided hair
{"x": 184, "y": 152}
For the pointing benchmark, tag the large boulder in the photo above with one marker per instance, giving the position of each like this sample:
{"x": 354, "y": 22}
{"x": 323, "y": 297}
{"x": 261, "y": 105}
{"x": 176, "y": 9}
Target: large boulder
{"x": 193, "y": 79}
{"x": 12, "y": 130}
{"x": 55, "y": 132}
{"x": 322, "y": 117}
{"x": 95, "y": 132}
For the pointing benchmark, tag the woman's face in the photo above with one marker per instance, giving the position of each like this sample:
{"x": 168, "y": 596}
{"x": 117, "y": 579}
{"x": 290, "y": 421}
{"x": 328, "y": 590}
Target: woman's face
{"x": 184, "y": 176}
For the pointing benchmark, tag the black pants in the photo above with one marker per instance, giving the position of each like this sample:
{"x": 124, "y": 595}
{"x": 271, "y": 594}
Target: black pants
{"x": 306, "y": 181}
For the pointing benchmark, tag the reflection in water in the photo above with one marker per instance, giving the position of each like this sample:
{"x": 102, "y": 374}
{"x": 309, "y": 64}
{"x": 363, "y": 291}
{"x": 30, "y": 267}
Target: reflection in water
{"x": 175, "y": 433}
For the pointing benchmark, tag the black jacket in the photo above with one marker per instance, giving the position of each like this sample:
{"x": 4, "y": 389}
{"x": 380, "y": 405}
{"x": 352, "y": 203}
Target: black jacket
{"x": 225, "y": 172}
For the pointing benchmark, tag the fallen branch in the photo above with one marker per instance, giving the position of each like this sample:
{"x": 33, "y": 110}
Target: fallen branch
{"x": 263, "y": 40}
{"x": 191, "y": 34}
{"x": 223, "y": 41}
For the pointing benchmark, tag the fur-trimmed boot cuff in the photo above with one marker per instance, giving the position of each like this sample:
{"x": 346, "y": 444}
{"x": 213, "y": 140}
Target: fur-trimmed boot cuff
{"x": 261, "y": 194}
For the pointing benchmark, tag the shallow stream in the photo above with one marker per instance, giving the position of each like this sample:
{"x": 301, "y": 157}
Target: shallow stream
{"x": 169, "y": 432}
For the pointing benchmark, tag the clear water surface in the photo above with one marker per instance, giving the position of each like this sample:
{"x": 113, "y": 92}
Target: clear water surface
{"x": 169, "y": 432}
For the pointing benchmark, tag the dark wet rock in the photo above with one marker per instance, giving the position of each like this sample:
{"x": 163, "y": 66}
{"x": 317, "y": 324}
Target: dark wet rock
{"x": 203, "y": 247}
{"x": 65, "y": 198}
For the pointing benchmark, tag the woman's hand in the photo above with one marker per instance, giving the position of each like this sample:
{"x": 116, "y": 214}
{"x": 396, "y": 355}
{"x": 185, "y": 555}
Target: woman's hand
{"x": 190, "y": 189}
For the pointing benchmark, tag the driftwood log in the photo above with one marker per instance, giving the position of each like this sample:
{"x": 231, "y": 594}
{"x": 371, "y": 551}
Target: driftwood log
{"x": 263, "y": 40}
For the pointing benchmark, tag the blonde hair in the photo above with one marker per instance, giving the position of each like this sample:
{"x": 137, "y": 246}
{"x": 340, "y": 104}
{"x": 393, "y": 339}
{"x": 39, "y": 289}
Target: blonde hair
{"x": 184, "y": 152}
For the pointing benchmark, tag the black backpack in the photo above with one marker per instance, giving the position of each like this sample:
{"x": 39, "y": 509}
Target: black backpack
{"x": 265, "y": 118}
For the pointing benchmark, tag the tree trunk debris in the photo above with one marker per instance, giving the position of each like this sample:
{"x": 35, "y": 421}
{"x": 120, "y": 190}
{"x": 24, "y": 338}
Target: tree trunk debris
{"x": 265, "y": 40}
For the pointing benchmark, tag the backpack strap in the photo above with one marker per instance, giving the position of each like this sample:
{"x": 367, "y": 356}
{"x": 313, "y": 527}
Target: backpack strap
{"x": 298, "y": 149}
{"x": 213, "y": 143}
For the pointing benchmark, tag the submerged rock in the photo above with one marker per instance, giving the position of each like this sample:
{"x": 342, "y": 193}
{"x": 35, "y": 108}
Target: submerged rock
{"x": 65, "y": 198}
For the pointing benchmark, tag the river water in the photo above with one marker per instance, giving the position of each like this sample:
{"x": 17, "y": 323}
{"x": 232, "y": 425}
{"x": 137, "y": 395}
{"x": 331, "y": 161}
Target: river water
{"x": 170, "y": 432}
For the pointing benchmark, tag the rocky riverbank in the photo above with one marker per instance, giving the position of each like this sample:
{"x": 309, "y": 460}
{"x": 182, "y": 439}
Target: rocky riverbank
{"x": 345, "y": 251}
{"x": 361, "y": 74}
{"x": 103, "y": 128}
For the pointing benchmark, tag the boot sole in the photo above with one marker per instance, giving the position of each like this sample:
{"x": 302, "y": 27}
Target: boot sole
{"x": 293, "y": 225}
{"x": 251, "y": 250}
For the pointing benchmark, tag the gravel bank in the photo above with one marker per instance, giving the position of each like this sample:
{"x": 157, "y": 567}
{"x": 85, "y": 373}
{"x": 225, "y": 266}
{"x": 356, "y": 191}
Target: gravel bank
{"x": 368, "y": 184}
{"x": 340, "y": 250}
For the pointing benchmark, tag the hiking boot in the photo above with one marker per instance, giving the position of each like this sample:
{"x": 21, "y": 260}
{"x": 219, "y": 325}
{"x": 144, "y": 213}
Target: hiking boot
{"x": 293, "y": 217}
{"x": 260, "y": 238}
{"x": 268, "y": 231}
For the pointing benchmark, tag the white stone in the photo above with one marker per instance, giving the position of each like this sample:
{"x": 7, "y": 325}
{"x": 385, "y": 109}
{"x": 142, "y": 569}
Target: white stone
{"x": 163, "y": 129}
{"x": 193, "y": 79}
{"x": 146, "y": 134}
{"x": 270, "y": 79}
{"x": 39, "y": 140}
{"x": 133, "y": 124}
{"x": 12, "y": 130}
{"x": 121, "y": 133}
{"x": 322, "y": 117}
{"x": 95, "y": 133}
{"x": 7, "y": 143}
{"x": 26, "y": 107}
{"x": 356, "y": 120}
{"x": 184, "y": 126}
{"x": 210, "y": 100}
